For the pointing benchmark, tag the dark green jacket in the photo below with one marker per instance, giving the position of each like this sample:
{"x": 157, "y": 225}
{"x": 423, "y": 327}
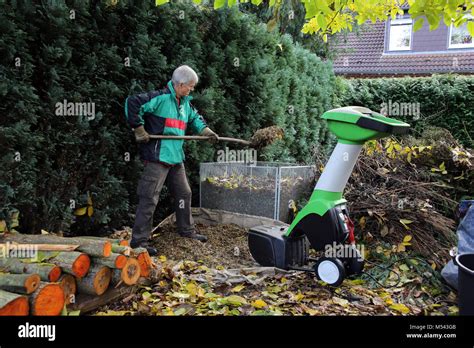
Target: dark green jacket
{"x": 159, "y": 113}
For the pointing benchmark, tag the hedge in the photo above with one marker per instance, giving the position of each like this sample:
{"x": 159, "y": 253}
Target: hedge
{"x": 444, "y": 101}
{"x": 77, "y": 51}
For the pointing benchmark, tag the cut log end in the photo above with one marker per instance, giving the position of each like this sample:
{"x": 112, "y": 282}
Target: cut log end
{"x": 102, "y": 280}
{"x": 68, "y": 284}
{"x": 54, "y": 274}
{"x": 47, "y": 300}
{"x": 16, "y": 307}
{"x": 107, "y": 249}
{"x": 131, "y": 272}
{"x": 120, "y": 261}
{"x": 81, "y": 265}
{"x": 32, "y": 283}
{"x": 145, "y": 262}
{"x": 19, "y": 283}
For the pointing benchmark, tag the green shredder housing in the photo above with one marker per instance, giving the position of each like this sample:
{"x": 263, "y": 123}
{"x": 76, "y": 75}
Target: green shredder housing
{"x": 356, "y": 124}
{"x": 325, "y": 218}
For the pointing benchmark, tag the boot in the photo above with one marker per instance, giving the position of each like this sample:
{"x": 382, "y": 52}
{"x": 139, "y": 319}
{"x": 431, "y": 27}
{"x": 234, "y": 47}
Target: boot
{"x": 194, "y": 235}
{"x": 152, "y": 251}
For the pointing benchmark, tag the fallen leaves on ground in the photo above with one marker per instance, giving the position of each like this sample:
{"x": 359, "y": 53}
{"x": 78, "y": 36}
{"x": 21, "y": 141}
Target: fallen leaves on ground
{"x": 190, "y": 288}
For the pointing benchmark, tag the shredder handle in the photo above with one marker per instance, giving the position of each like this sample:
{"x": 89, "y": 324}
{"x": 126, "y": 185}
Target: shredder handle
{"x": 382, "y": 127}
{"x": 361, "y": 109}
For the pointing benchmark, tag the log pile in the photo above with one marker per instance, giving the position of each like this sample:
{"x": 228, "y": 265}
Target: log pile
{"x": 41, "y": 274}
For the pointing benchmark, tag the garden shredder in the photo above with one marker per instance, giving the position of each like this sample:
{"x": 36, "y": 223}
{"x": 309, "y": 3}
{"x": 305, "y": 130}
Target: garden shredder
{"x": 324, "y": 223}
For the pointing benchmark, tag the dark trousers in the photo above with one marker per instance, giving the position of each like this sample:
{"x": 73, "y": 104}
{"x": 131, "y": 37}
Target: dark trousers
{"x": 149, "y": 189}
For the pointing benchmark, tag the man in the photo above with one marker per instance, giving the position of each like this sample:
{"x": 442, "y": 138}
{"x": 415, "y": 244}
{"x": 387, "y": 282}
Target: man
{"x": 167, "y": 112}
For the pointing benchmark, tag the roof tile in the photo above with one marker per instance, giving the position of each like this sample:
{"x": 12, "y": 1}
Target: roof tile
{"x": 364, "y": 54}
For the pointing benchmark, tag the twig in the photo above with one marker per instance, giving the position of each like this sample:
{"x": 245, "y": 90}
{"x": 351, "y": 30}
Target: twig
{"x": 411, "y": 186}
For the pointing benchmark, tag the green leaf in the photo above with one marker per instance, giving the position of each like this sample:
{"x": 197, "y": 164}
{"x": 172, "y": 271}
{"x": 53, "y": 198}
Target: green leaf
{"x": 161, "y": 2}
{"x": 405, "y": 223}
{"x": 400, "y": 307}
{"x": 418, "y": 24}
{"x": 323, "y": 7}
{"x": 404, "y": 267}
{"x": 80, "y": 211}
{"x": 181, "y": 295}
{"x": 447, "y": 19}
{"x": 146, "y": 295}
{"x": 274, "y": 289}
{"x": 111, "y": 312}
{"x": 64, "y": 311}
{"x": 393, "y": 13}
{"x": 470, "y": 28}
{"x": 433, "y": 20}
{"x": 238, "y": 288}
{"x": 311, "y": 9}
{"x": 234, "y": 300}
{"x": 210, "y": 295}
{"x": 180, "y": 311}
{"x": 322, "y": 21}
{"x": 311, "y": 27}
{"x": 218, "y": 4}
{"x": 340, "y": 301}
{"x": 43, "y": 256}
{"x": 263, "y": 312}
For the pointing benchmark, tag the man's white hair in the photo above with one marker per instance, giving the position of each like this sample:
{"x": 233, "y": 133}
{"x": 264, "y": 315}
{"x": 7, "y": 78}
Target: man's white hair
{"x": 184, "y": 74}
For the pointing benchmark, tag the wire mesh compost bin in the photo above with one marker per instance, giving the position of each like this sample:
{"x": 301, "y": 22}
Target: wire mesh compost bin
{"x": 264, "y": 189}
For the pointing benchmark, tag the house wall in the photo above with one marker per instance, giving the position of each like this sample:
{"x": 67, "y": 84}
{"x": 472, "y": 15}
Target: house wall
{"x": 366, "y": 55}
{"x": 425, "y": 40}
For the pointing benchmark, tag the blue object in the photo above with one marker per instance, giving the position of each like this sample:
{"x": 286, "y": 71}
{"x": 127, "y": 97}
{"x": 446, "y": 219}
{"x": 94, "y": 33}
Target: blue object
{"x": 465, "y": 264}
{"x": 465, "y": 234}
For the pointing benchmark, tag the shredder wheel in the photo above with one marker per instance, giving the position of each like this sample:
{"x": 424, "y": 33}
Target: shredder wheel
{"x": 330, "y": 270}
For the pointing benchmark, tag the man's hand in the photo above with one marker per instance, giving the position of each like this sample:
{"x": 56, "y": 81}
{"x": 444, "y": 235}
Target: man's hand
{"x": 213, "y": 137}
{"x": 141, "y": 135}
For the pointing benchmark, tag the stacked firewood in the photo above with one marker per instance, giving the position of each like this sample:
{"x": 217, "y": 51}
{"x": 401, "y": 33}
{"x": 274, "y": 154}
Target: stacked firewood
{"x": 43, "y": 283}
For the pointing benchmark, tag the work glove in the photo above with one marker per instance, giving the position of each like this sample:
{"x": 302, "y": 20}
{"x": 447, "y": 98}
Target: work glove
{"x": 141, "y": 135}
{"x": 213, "y": 137}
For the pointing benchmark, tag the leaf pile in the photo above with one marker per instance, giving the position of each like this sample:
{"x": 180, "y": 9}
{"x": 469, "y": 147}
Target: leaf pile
{"x": 227, "y": 246}
{"x": 266, "y": 136}
{"x": 253, "y": 182}
{"x": 190, "y": 288}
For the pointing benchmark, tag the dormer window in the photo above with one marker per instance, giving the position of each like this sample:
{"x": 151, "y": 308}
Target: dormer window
{"x": 459, "y": 37}
{"x": 400, "y": 34}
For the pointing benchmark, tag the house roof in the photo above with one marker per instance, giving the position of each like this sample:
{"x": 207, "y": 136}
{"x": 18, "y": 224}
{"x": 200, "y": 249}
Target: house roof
{"x": 363, "y": 54}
